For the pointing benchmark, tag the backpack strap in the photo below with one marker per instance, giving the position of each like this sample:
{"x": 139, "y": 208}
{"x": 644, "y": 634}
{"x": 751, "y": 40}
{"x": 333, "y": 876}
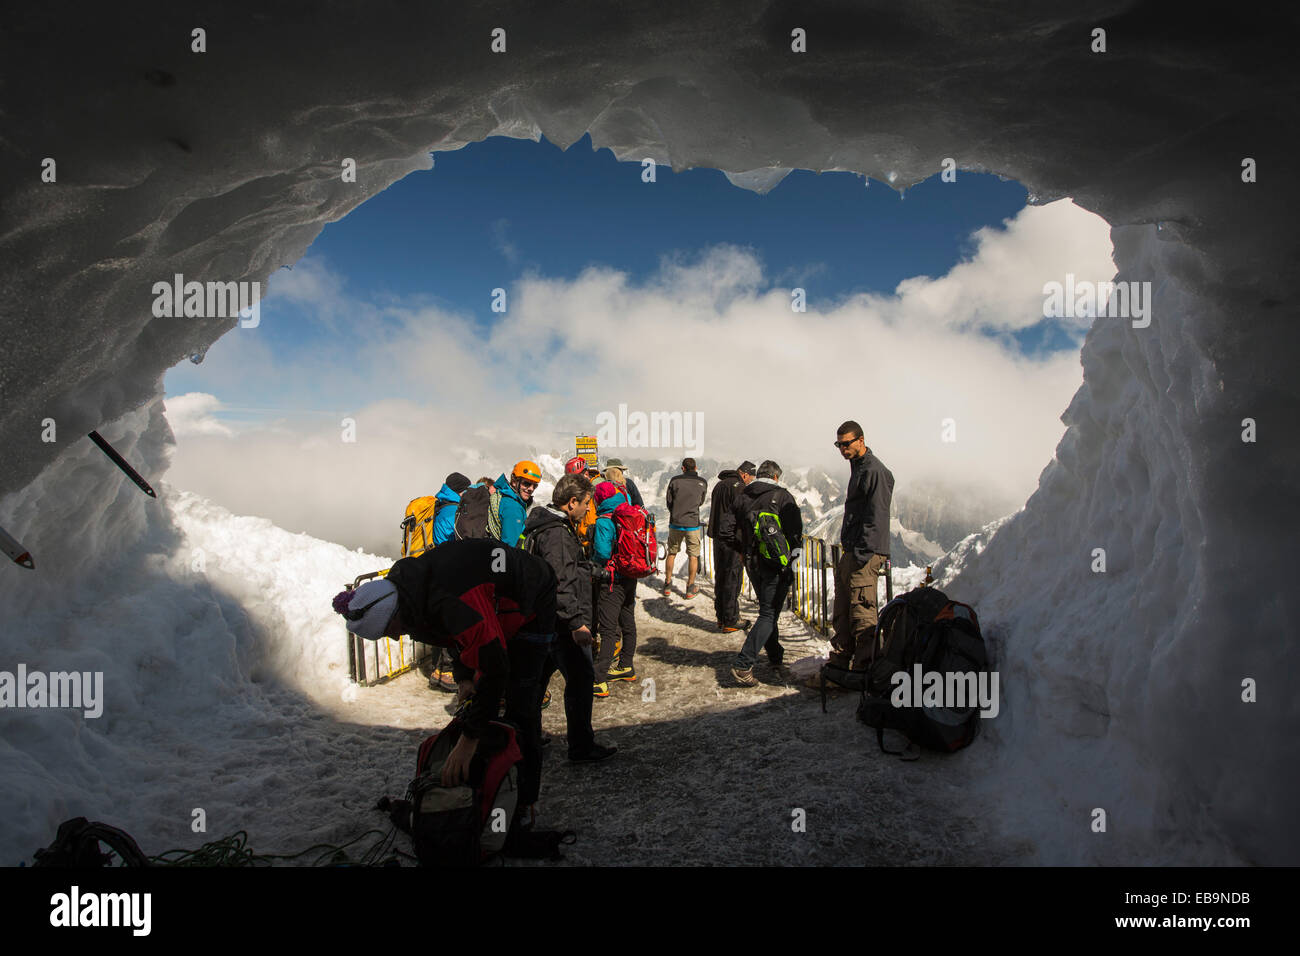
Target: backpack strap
{"x": 900, "y": 754}
{"x": 494, "y": 512}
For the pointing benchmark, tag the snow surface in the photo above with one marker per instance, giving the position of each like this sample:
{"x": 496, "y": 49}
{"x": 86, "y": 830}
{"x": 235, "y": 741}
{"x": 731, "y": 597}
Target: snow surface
{"x": 1122, "y": 690}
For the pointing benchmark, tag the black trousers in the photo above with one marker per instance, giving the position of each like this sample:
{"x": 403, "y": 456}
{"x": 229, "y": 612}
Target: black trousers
{"x": 728, "y": 563}
{"x": 579, "y": 672}
{"x": 772, "y": 587}
{"x": 524, "y": 709}
{"x": 616, "y": 612}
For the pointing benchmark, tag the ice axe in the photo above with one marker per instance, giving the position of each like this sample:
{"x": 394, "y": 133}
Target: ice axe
{"x": 15, "y": 550}
{"x": 118, "y": 460}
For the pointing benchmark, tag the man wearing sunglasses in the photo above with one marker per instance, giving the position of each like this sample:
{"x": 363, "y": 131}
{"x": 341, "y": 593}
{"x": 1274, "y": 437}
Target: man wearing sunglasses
{"x": 517, "y": 498}
{"x": 864, "y": 541}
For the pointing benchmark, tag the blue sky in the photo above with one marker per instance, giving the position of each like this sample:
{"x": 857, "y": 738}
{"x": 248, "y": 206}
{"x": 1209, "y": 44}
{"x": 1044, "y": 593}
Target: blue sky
{"x": 503, "y": 208}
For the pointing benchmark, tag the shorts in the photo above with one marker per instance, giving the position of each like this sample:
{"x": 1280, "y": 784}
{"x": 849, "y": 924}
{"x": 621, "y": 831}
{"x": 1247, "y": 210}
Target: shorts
{"x": 690, "y": 535}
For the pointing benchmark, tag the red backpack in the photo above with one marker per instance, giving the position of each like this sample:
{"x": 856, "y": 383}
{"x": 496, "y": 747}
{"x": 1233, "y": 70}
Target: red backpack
{"x": 636, "y": 549}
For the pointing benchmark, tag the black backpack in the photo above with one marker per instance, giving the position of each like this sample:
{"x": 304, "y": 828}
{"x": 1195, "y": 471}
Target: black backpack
{"x": 923, "y": 627}
{"x": 478, "y": 507}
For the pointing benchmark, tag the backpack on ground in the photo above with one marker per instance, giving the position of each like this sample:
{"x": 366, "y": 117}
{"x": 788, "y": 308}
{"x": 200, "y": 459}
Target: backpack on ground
{"x": 417, "y": 526}
{"x": 924, "y": 627}
{"x": 479, "y": 513}
{"x": 464, "y": 825}
{"x": 773, "y": 548}
{"x": 636, "y": 548}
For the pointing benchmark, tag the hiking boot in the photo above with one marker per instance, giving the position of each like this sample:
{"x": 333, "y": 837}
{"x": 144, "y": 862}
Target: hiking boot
{"x": 667, "y": 592}
{"x": 692, "y": 593}
{"x": 622, "y": 673}
{"x": 546, "y": 700}
{"x": 600, "y": 690}
{"x": 746, "y": 677}
{"x": 592, "y": 754}
{"x": 777, "y": 659}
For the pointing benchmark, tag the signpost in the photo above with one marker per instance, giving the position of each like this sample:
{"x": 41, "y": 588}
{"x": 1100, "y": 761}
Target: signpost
{"x": 586, "y": 447}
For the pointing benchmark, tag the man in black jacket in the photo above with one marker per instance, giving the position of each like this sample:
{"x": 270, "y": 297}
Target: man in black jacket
{"x": 496, "y": 605}
{"x": 771, "y": 579}
{"x": 551, "y": 533}
{"x": 728, "y": 558}
{"x": 686, "y": 493}
{"x": 864, "y": 539}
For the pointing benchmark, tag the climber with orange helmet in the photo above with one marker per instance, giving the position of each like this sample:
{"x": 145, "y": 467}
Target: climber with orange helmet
{"x": 517, "y": 498}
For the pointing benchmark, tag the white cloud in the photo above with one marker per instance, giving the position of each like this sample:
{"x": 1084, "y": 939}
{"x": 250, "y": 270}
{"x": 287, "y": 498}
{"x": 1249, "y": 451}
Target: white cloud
{"x": 191, "y": 414}
{"x": 432, "y": 394}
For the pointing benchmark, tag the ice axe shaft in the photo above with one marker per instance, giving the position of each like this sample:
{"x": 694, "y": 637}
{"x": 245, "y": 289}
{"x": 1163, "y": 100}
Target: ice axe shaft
{"x": 15, "y": 550}
{"x": 118, "y": 460}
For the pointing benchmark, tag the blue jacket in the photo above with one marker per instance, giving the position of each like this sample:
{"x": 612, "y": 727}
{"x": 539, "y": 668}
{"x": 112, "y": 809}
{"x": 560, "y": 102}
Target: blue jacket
{"x": 603, "y": 537}
{"x": 513, "y": 513}
{"x": 444, "y": 522}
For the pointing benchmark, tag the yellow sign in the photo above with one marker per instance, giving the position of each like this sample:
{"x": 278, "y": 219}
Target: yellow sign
{"x": 586, "y": 447}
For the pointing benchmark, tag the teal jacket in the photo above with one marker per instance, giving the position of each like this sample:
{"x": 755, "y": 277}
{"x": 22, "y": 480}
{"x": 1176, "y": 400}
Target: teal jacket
{"x": 513, "y": 513}
{"x": 604, "y": 535}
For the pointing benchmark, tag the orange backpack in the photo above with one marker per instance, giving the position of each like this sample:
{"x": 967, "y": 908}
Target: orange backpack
{"x": 417, "y": 526}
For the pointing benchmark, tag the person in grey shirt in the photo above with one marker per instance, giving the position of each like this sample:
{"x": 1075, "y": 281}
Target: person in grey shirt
{"x": 686, "y": 493}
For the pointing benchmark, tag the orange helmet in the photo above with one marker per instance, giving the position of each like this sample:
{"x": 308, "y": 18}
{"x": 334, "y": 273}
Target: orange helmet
{"x": 528, "y": 471}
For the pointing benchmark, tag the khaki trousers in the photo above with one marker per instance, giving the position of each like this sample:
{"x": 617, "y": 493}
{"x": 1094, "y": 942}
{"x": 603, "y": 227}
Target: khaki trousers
{"x": 854, "y": 614}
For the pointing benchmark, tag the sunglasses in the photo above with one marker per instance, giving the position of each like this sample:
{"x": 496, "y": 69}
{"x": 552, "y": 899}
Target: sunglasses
{"x": 846, "y": 444}
{"x": 527, "y": 484}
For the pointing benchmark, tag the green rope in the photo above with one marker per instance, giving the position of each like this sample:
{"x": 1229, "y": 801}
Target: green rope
{"x": 235, "y": 851}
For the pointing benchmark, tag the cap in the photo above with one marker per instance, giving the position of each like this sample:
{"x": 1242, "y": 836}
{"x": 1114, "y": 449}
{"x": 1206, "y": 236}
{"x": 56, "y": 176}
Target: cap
{"x": 748, "y": 467}
{"x": 606, "y": 489}
{"x": 614, "y": 463}
{"x": 457, "y": 482}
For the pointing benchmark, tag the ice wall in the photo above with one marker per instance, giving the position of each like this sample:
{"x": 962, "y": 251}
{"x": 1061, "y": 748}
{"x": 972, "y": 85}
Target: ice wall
{"x": 224, "y": 165}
